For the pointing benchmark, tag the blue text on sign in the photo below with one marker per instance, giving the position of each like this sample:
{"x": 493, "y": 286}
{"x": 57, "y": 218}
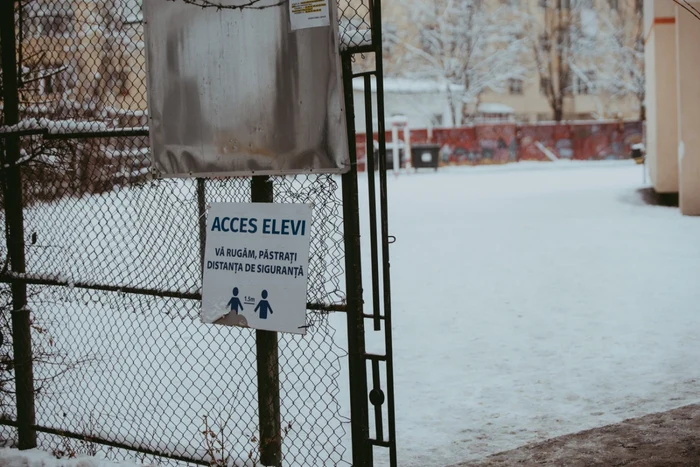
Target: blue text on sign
{"x": 250, "y": 225}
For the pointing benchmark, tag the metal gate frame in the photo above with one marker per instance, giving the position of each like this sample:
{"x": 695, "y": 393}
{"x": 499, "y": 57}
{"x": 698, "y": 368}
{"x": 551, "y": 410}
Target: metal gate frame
{"x": 381, "y": 394}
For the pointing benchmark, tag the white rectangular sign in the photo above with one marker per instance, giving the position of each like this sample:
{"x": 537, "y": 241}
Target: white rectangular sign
{"x": 308, "y": 14}
{"x": 256, "y": 266}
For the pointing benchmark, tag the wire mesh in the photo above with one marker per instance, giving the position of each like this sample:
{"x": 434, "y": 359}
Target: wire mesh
{"x": 8, "y": 412}
{"x": 355, "y": 23}
{"x": 139, "y": 369}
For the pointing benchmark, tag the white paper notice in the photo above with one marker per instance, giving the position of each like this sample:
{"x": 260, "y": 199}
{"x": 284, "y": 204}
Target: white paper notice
{"x": 308, "y": 14}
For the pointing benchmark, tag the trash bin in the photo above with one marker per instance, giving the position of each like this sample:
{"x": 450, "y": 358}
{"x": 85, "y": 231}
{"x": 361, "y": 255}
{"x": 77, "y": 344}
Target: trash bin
{"x": 425, "y": 156}
{"x": 389, "y": 159}
{"x": 637, "y": 153}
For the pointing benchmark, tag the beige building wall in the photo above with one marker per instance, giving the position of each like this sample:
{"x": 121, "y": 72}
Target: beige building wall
{"x": 661, "y": 96}
{"x": 532, "y": 105}
{"x": 688, "y": 63}
{"x": 529, "y": 106}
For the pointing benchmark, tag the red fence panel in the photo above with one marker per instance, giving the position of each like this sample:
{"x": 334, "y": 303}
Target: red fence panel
{"x": 498, "y": 143}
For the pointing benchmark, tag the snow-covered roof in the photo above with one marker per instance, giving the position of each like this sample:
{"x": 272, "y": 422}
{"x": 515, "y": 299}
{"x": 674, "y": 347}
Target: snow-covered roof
{"x": 495, "y": 108}
{"x": 409, "y": 86}
{"x": 398, "y": 119}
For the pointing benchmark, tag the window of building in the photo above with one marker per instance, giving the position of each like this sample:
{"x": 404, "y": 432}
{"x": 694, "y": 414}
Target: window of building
{"x": 614, "y": 4}
{"x": 427, "y": 38}
{"x": 48, "y": 84}
{"x": 122, "y": 83}
{"x": 56, "y": 25}
{"x": 569, "y": 82}
{"x": 545, "y": 85}
{"x": 50, "y": 80}
{"x": 515, "y": 86}
{"x": 545, "y": 43}
{"x": 591, "y": 77}
{"x": 584, "y": 84}
{"x": 52, "y": 25}
{"x": 589, "y": 22}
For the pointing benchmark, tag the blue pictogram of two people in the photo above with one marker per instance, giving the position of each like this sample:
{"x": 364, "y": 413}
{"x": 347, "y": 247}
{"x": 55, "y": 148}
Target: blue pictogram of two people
{"x": 263, "y": 305}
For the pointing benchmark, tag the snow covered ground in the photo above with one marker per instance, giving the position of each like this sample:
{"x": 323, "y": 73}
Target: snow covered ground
{"x": 150, "y": 371}
{"x": 530, "y": 300}
{"x": 534, "y": 300}
{"x": 36, "y": 458}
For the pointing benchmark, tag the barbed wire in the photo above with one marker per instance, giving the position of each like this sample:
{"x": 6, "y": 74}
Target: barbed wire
{"x": 249, "y": 5}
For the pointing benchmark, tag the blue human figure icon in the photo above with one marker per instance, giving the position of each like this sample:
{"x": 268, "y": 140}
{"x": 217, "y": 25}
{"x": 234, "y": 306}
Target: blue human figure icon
{"x": 235, "y": 302}
{"x": 264, "y": 306}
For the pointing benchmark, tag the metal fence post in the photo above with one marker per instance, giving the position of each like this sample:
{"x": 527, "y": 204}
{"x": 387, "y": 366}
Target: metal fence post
{"x": 201, "y": 212}
{"x": 359, "y": 410}
{"x": 12, "y": 186}
{"x": 268, "y": 366}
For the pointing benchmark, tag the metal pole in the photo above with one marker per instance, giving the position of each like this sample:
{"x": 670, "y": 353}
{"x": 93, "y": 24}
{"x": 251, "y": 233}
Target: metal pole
{"x": 268, "y": 366}
{"x": 359, "y": 410}
{"x": 14, "y": 218}
{"x": 202, "y": 211}
{"x": 377, "y": 29}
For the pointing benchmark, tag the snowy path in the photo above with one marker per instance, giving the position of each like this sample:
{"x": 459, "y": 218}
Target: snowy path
{"x": 536, "y": 300}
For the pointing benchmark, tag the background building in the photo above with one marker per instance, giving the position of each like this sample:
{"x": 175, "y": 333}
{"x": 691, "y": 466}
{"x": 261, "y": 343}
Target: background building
{"x": 81, "y": 68}
{"x": 84, "y": 60}
{"x": 527, "y": 60}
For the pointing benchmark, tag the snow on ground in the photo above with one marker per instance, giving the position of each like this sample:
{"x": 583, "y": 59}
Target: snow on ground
{"x": 150, "y": 371}
{"x": 530, "y": 300}
{"x": 534, "y": 300}
{"x": 34, "y": 458}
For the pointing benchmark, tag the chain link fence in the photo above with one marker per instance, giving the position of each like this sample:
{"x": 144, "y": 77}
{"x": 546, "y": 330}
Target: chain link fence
{"x": 123, "y": 368}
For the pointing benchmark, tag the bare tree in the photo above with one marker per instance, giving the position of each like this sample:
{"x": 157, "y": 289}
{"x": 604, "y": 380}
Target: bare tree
{"x": 563, "y": 38}
{"x": 622, "y": 70}
{"x": 469, "y": 46}
{"x": 46, "y": 354}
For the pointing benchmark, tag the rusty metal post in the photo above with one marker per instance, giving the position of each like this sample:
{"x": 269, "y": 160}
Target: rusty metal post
{"x": 202, "y": 221}
{"x": 268, "y": 366}
{"x": 14, "y": 218}
{"x": 359, "y": 410}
